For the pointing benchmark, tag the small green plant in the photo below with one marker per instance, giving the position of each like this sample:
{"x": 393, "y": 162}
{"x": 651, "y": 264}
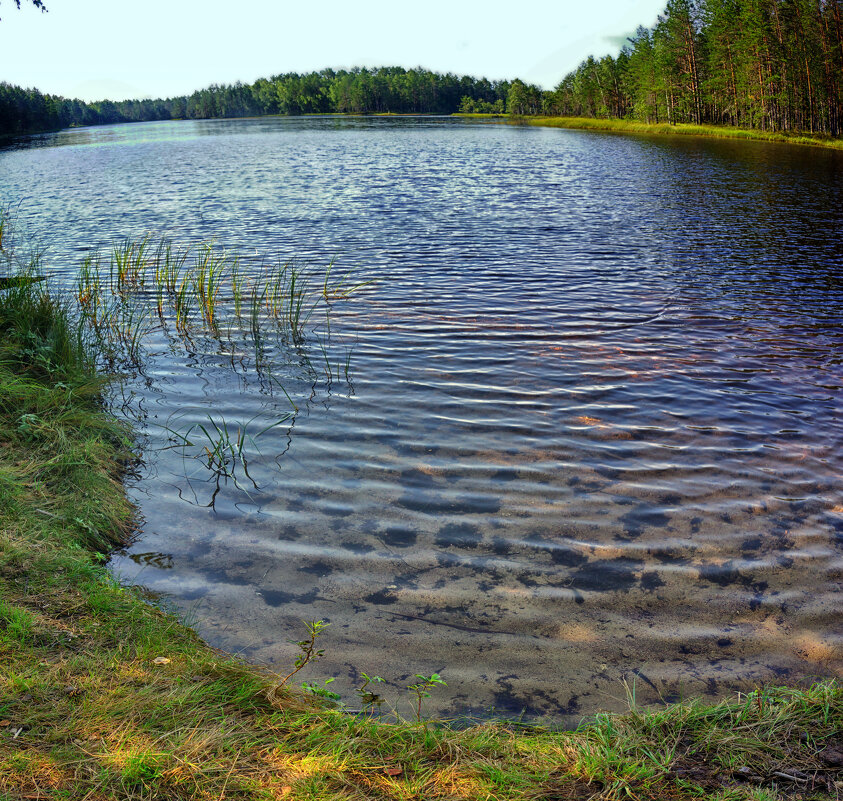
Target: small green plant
{"x": 421, "y": 689}
{"x": 368, "y": 698}
{"x": 140, "y": 769}
{"x": 309, "y": 651}
{"x": 321, "y": 690}
{"x": 28, "y": 425}
{"x": 222, "y": 444}
{"x": 17, "y": 624}
{"x": 86, "y": 526}
{"x": 340, "y": 289}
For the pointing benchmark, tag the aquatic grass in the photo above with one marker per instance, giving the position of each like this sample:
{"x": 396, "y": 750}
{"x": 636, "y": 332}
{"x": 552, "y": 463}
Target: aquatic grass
{"x": 346, "y": 367}
{"x": 328, "y": 371}
{"x": 169, "y": 262}
{"x": 89, "y": 282}
{"x": 20, "y": 255}
{"x": 128, "y": 264}
{"x": 296, "y": 314}
{"x": 290, "y": 298}
{"x": 141, "y": 287}
{"x": 208, "y": 274}
{"x": 183, "y": 303}
{"x": 130, "y": 324}
{"x": 341, "y": 288}
{"x": 211, "y": 287}
{"x": 224, "y": 447}
{"x": 274, "y": 280}
{"x": 257, "y": 301}
{"x": 222, "y": 444}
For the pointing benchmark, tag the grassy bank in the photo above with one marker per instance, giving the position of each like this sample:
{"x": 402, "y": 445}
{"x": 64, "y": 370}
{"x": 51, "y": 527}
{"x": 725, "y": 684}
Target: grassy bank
{"x": 630, "y": 126}
{"x": 103, "y": 696}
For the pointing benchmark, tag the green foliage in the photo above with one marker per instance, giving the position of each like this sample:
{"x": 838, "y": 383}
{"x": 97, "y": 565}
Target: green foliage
{"x": 15, "y": 624}
{"x": 421, "y": 689}
{"x": 773, "y": 65}
{"x": 307, "y": 647}
{"x": 369, "y": 698}
{"x": 382, "y": 90}
{"x": 762, "y": 64}
{"x": 470, "y": 105}
{"x": 140, "y": 769}
{"x": 321, "y": 690}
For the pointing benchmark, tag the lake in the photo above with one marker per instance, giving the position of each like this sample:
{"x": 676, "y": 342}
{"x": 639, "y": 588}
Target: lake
{"x": 584, "y": 432}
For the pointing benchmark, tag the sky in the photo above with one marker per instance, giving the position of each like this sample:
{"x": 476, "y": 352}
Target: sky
{"x": 113, "y": 49}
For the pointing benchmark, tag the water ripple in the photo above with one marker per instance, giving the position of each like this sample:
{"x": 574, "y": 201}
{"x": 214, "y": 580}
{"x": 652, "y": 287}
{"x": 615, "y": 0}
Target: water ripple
{"x": 594, "y": 423}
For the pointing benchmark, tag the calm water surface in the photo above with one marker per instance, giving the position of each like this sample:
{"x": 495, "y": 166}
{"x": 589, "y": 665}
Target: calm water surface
{"x": 594, "y": 417}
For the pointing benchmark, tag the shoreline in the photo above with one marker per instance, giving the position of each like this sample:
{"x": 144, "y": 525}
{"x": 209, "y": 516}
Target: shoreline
{"x": 661, "y": 129}
{"x": 105, "y": 696}
{"x": 569, "y": 123}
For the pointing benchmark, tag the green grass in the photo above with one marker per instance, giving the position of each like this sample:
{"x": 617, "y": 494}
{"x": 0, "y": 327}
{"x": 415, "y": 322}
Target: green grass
{"x": 631, "y": 126}
{"x": 201, "y": 290}
{"x": 104, "y": 696}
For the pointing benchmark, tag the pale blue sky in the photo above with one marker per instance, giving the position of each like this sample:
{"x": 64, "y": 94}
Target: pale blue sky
{"x": 95, "y": 49}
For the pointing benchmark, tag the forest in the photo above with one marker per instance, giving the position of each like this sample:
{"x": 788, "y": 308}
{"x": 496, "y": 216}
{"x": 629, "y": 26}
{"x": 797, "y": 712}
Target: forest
{"x": 759, "y": 64}
{"x": 359, "y": 91}
{"x": 762, "y": 64}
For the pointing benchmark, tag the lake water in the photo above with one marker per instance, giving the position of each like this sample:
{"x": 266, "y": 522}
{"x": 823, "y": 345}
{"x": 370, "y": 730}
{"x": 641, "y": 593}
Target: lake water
{"x": 591, "y": 428}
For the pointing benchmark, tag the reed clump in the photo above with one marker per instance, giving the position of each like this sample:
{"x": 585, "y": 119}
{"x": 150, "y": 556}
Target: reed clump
{"x": 144, "y": 292}
{"x": 131, "y": 300}
{"x": 200, "y": 290}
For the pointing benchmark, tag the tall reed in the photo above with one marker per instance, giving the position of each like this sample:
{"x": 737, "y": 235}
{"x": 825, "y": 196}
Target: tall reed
{"x": 128, "y": 264}
{"x": 269, "y": 314}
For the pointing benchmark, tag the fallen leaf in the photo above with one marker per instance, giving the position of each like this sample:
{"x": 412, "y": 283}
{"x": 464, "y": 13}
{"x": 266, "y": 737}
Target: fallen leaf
{"x": 286, "y": 790}
{"x": 4, "y": 723}
{"x": 393, "y": 771}
{"x": 160, "y": 660}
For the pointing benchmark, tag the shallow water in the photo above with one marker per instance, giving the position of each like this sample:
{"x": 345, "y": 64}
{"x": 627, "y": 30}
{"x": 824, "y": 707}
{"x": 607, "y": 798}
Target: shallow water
{"x": 593, "y": 423}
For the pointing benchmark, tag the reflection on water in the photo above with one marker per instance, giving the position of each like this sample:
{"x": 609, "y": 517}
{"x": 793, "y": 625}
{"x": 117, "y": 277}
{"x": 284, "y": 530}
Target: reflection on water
{"x": 593, "y": 425}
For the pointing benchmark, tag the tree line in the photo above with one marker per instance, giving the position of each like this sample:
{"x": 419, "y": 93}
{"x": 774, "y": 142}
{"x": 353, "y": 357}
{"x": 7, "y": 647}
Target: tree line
{"x": 381, "y": 90}
{"x": 765, "y": 64}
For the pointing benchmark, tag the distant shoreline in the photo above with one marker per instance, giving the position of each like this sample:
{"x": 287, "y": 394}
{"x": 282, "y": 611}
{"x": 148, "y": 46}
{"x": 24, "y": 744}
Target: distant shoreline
{"x": 571, "y": 123}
